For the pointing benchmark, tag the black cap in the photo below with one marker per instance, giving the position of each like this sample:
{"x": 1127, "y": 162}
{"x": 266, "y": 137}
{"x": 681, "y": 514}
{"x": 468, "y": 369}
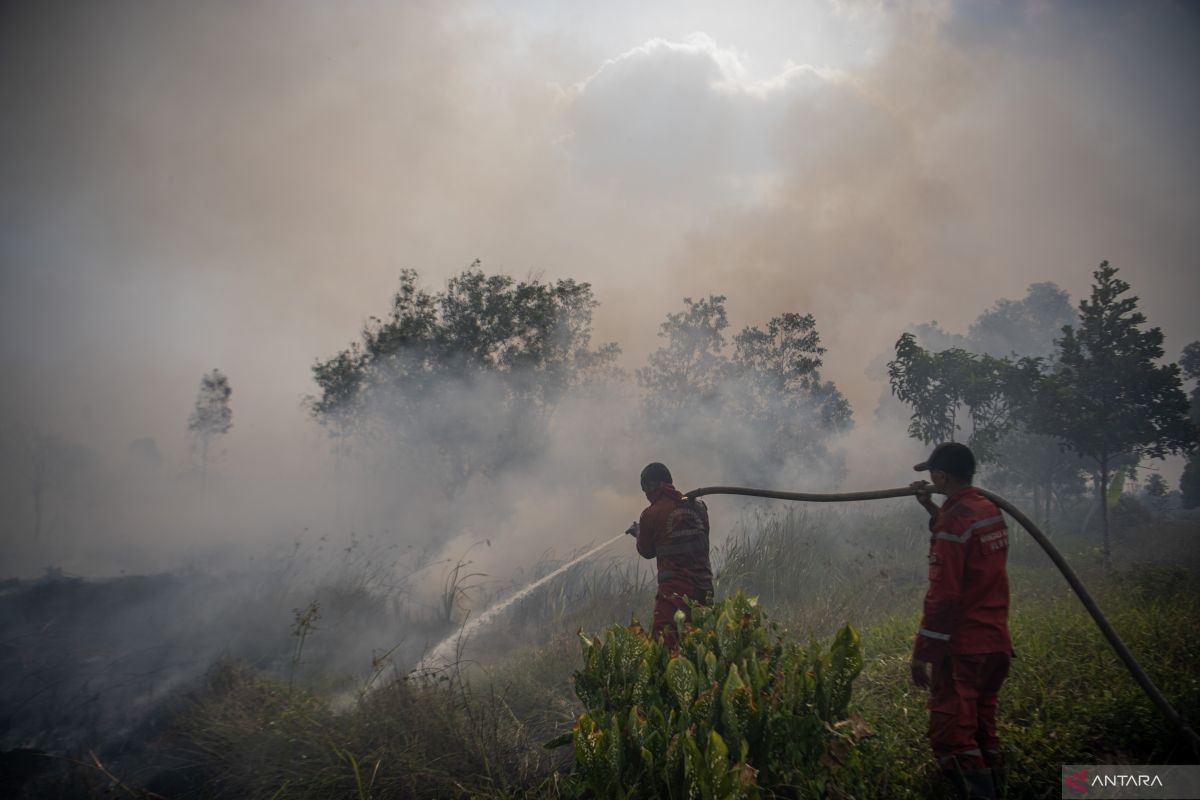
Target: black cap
{"x": 952, "y": 457}
{"x": 656, "y": 473}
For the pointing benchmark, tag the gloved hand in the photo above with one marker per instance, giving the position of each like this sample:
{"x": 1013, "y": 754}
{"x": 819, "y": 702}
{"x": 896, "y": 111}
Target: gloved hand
{"x": 632, "y": 530}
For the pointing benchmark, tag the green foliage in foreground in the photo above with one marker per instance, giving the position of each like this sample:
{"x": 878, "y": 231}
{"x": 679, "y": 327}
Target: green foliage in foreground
{"x": 731, "y": 714}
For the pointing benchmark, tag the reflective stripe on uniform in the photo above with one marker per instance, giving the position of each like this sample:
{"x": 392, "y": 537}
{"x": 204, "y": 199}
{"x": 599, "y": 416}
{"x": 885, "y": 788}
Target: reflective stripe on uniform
{"x": 945, "y": 637}
{"x": 949, "y": 537}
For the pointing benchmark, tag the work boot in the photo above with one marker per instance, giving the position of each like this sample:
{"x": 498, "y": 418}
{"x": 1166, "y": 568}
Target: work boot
{"x": 999, "y": 767}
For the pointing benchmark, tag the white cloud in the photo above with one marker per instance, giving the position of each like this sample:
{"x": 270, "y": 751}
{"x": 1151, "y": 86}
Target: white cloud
{"x": 683, "y": 121}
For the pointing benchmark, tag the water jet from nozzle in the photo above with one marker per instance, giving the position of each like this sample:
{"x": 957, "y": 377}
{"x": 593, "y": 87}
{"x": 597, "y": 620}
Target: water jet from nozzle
{"x": 440, "y": 654}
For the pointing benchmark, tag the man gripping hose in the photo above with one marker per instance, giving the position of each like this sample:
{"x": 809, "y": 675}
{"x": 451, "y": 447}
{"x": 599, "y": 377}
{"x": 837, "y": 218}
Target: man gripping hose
{"x": 963, "y": 648}
{"x": 674, "y": 530}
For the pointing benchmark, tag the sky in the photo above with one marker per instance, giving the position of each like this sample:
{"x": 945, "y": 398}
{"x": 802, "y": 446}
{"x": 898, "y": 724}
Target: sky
{"x": 186, "y": 186}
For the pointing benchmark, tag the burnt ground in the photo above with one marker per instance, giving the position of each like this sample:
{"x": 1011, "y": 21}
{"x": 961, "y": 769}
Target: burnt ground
{"x": 97, "y": 670}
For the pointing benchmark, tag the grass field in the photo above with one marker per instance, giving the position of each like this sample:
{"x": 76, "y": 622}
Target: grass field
{"x": 477, "y": 728}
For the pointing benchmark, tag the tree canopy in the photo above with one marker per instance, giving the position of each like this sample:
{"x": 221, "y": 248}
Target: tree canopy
{"x": 764, "y": 403}
{"x": 488, "y": 350}
{"x": 941, "y": 386}
{"x": 1108, "y": 395}
{"x": 1189, "y": 482}
{"x": 1101, "y": 394}
{"x": 212, "y": 416}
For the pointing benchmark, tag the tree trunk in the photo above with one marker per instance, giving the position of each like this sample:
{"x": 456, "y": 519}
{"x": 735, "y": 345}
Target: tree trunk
{"x": 1103, "y": 489}
{"x": 203, "y": 465}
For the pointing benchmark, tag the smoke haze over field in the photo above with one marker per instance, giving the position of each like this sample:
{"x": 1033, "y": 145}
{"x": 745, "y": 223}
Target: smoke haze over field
{"x": 187, "y": 186}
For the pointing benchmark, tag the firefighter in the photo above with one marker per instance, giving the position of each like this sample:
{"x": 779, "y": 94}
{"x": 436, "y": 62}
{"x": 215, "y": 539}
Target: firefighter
{"x": 674, "y": 530}
{"x": 963, "y": 649}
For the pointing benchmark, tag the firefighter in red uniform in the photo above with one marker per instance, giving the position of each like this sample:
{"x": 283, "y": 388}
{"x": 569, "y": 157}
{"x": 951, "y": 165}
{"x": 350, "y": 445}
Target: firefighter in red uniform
{"x": 674, "y": 530}
{"x": 963, "y": 649}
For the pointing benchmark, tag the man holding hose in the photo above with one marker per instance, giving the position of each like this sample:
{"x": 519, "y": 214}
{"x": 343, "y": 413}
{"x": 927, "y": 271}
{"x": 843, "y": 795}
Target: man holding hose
{"x": 963, "y": 648}
{"x": 674, "y": 530}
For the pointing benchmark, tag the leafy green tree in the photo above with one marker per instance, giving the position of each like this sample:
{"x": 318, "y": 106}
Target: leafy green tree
{"x": 211, "y": 417}
{"x": 777, "y": 388}
{"x": 687, "y": 372}
{"x": 954, "y": 387}
{"x": 1157, "y": 492}
{"x": 1189, "y": 482}
{"x": 467, "y": 377}
{"x": 1156, "y": 487}
{"x": 1022, "y": 461}
{"x": 1107, "y": 396}
{"x": 764, "y": 406}
{"x": 962, "y": 381}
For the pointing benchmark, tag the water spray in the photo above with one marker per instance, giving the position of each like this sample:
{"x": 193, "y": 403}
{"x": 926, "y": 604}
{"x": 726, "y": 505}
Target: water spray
{"x": 440, "y": 654}
{"x": 1114, "y": 641}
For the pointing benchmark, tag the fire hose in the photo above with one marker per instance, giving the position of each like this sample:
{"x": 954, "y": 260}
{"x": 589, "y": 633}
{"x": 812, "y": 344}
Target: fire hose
{"x": 1098, "y": 617}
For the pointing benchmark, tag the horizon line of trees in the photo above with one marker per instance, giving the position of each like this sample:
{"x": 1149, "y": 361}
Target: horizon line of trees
{"x": 420, "y": 376}
{"x": 469, "y": 381}
{"x": 1045, "y": 394}
{"x": 1099, "y": 402}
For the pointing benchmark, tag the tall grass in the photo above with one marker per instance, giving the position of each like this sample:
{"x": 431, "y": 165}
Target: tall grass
{"x": 477, "y": 731}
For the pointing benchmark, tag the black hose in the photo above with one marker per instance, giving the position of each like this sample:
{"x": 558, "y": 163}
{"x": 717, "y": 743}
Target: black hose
{"x": 1114, "y": 640}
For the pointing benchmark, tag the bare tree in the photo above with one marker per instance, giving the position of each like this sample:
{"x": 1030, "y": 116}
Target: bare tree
{"x": 212, "y": 417}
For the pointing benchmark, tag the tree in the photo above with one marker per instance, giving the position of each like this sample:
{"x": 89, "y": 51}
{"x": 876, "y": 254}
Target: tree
{"x": 1189, "y": 482}
{"x": 777, "y": 388}
{"x": 764, "y": 407}
{"x": 212, "y": 417}
{"x": 1025, "y": 327}
{"x": 687, "y": 372}
{"x": 986, "y": 382}
{"x": 1107, "y": 397}
{"x": 469, "y": 377}
{"x": 1156, "y": 490}
{"x": 1038, "y": 467}
{"x": 943, "y": 387}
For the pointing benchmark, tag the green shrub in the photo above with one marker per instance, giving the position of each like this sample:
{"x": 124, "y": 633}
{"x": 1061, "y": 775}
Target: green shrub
{"x": 731, "y": 714}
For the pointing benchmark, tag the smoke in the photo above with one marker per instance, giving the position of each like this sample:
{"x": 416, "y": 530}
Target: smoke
{"x": 189, "y": 187}
{"x": 194, "y": 186}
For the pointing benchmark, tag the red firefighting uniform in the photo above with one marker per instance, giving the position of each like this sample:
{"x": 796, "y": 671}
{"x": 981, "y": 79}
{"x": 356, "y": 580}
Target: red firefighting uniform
{"x": 676, "y": 533}
{"x": 964, "y": 630}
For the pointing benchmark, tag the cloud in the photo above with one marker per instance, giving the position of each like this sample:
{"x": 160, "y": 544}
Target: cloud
{"x": 682, "y": 122}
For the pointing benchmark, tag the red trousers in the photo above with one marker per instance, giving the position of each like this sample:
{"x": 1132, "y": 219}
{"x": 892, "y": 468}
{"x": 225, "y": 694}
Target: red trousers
{"x": 666, "y": 603}
{"x": 962, "y": 709}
